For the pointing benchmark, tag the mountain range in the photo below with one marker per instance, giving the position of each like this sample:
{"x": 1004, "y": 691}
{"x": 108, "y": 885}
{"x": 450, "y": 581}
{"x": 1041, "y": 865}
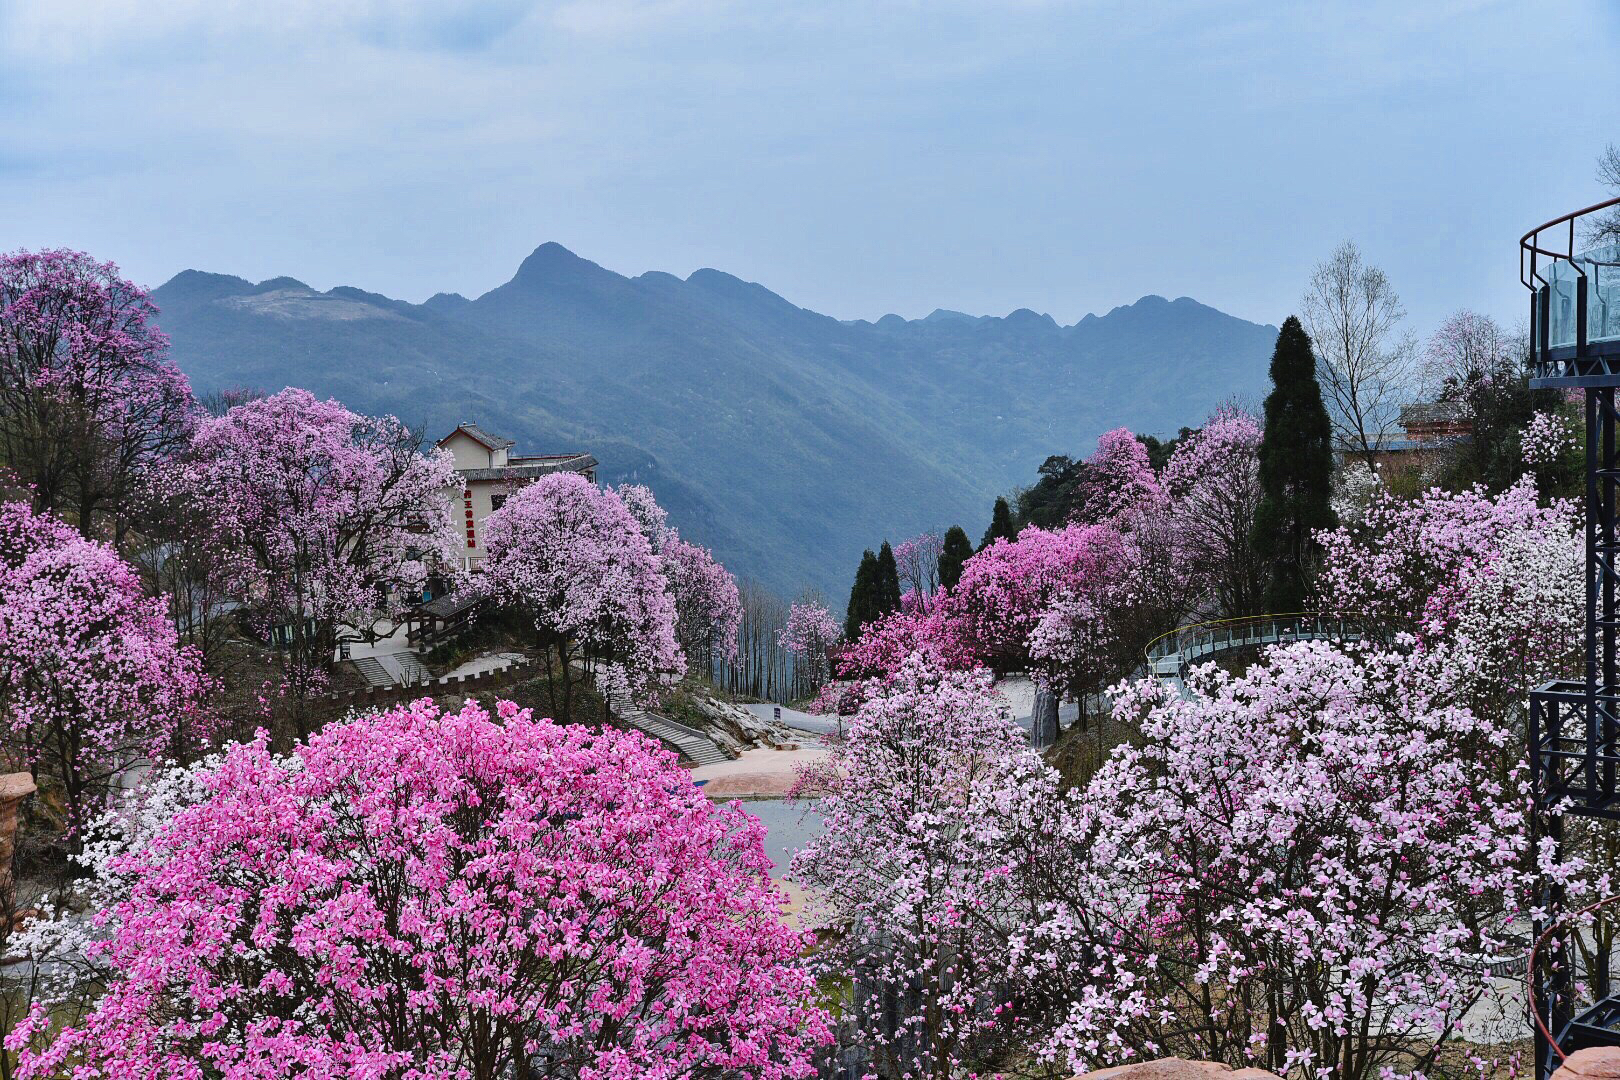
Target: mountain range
{"x": 784, "y": 439}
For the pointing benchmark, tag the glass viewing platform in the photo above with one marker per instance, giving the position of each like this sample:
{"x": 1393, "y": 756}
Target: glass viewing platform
{"x": 1574, "y": 301}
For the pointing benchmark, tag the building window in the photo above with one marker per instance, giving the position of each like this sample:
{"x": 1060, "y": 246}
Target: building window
{"x": 497, "y": 501}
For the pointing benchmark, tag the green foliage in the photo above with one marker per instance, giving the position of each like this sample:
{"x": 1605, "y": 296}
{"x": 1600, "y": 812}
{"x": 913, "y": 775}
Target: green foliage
{"x": 1500, "y": 403}
{"x": 1052, "y": 500}
{"x": 888, "y": 580}
{"x": 862, "y": 596}
{"x": 1159, "y": 452}
{"x": 955, "y": 550}
{"x": 1001, "y": 524}
{"x": 1296, "y": 470}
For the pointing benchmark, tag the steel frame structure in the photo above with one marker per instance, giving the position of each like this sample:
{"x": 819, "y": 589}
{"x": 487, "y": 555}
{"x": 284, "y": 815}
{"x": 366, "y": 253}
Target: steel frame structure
{"x": 1574, "y": 727}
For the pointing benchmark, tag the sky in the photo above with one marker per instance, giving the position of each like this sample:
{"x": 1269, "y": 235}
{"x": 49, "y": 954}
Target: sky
{"x": 859, "y": 158}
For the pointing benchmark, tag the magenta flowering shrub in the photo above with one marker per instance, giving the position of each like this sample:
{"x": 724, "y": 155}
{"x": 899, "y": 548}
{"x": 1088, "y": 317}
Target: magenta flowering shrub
{"x": 92, "y": 678}
{"x": 1303, "y": 869}
{"x": 1008, "y": 588}
{"x": 909, "y": 872}
{"x": 413, "y": 894}
{"x": 921, "y": 629}
{"x": 574, "y": 559}
{"x": 89, "y": 402}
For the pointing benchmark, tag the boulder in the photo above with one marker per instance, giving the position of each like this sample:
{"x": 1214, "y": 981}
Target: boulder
{"x": 14, "y": 788}
{"x": 1593, "y": 1063}
{"x": 734, "y": 726}
{"x": 1176, "y": 1069}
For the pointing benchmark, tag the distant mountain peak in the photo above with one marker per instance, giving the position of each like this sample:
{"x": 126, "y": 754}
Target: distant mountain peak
{"x": 551, "y": 262}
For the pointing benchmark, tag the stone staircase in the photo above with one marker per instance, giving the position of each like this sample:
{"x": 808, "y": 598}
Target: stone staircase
{"x": 391, "y": 669}
{"x": 690, "y": 743}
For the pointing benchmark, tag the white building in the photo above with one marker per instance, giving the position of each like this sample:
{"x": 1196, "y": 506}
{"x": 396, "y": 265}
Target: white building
{"x": 489, "y": 471}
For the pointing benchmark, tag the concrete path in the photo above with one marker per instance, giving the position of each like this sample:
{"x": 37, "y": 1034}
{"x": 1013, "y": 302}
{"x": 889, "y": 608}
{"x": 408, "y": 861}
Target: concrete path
{"x": 800, "y": 721}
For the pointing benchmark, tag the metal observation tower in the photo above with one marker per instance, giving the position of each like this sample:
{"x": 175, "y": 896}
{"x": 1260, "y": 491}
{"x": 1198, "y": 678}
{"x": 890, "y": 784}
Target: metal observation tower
{"x": 1574, "y": 727}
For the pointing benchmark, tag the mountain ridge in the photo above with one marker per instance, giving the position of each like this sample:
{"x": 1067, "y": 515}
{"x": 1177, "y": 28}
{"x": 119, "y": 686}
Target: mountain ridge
{"x": 784, "y": 438}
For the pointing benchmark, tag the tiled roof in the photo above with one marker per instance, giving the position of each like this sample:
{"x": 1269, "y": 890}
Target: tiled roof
{"x": 494, "y": 442}
{"x": 534, "y": 467}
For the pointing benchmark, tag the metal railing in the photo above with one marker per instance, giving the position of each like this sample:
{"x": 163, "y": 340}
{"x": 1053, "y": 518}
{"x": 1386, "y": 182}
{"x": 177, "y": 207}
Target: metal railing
{"x": 1167, "y": 653}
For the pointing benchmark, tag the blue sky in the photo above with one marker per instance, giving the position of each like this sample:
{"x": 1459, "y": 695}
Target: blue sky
{"x": 858, "y": 158}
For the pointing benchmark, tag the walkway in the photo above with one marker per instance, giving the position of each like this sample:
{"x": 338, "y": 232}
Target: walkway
{"x": 1169, "y": 656}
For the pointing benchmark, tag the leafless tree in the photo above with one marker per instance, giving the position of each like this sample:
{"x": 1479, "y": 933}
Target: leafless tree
{"x": 1604, "y": 228}
{"x": 1365, "y": 362}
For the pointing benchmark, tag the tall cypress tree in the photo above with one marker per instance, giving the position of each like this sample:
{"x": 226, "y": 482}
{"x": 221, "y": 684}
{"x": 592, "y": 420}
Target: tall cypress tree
{"x": 1296, "y": 470}
{"x": 862, "y": 596}
{"x": 1001, "y": 525}
{"x": 955, "y": 550}
{"x": 888, "y": 580}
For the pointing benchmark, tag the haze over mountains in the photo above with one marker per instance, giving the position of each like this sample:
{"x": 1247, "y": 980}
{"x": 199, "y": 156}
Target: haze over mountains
{"x": 784, "y": 439}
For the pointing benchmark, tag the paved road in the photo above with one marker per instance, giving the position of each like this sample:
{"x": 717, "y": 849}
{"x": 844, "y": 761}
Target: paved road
{"x": 793, "y": 718}
{"x": 828, "y": 725}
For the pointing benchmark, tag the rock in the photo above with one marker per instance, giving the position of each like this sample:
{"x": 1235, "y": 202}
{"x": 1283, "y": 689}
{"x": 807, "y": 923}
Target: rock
{"x": 14, "y": 788}
{"x": 1176, "y": 1069}
{"x": 1593, "y": 1063}
{"x": 734, "y": 726}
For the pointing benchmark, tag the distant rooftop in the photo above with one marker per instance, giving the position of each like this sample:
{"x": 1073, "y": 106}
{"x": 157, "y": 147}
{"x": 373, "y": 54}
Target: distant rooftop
{"x": 494, "y": 442}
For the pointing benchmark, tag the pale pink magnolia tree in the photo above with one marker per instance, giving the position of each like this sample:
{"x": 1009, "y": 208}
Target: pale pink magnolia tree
{"x": 651, "y": 518}
{"x": 708, "y": 606}
{"x": 1306, "y": 869}
{"x": 809, "y": 635}
{"x": 89, "y": 402}
{"x": 92, "y": 677}
{"x": 1118, "y": 481}
{"x": 1213, "y": 483}
{"x": 908, "y": 875}
{"x": 342, "y": 518}
{"x": 573, "y": 559}
{"x": 416, "y": 894}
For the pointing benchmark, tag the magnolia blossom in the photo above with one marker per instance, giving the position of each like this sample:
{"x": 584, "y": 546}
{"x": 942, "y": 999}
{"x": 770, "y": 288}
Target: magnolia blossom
{"x": 340, "y": 515}
{"x": 907, "y": 875}
{"x": 1213, "y": 480}
{"x": 652, "y": 519}
{"x": 444, "y": 896}
{"x": 89, "y": 402}
{"x": 809, "y": 635}
{"x": 92, "y": 678}
{"x": 574, "y": 560}
{"x": 1008, "y": 588}
{"x": 1546, "y": 439}
{"x": 1306, "y": 868}
{"x": 708, "y": 607}
{"x": 1118, "y": 482}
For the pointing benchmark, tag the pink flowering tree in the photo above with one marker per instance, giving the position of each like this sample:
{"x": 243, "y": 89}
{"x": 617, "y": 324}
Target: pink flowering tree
{"x": 1306, "y": 869}
{"x": 1118, "y": 481}
{"x": 1009, "y": 587}
{"x": 651, "y": 518}
{"x": 1213, "y": 483}
{"x": 341, "y": 517}
{"x": 809, "y": 635}
{"x": 89, "y": 403}
{"x": 907, "y": 876}
{"x": 445, "y": 896}
{"x": 708, "y": 607}
{"x": 92, "y": 678}
{"x": 572, "y": 558}
{"x": 925, "y": 630}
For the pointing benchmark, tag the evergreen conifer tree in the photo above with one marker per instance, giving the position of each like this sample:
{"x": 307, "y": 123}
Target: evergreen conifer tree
{"x": 955, "y": 550}
{"x": 1001, "y": 525}
{"x": 1296, "y": 470}
{"x": 888, "y": 580}
{"x": 862, "y": 596}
